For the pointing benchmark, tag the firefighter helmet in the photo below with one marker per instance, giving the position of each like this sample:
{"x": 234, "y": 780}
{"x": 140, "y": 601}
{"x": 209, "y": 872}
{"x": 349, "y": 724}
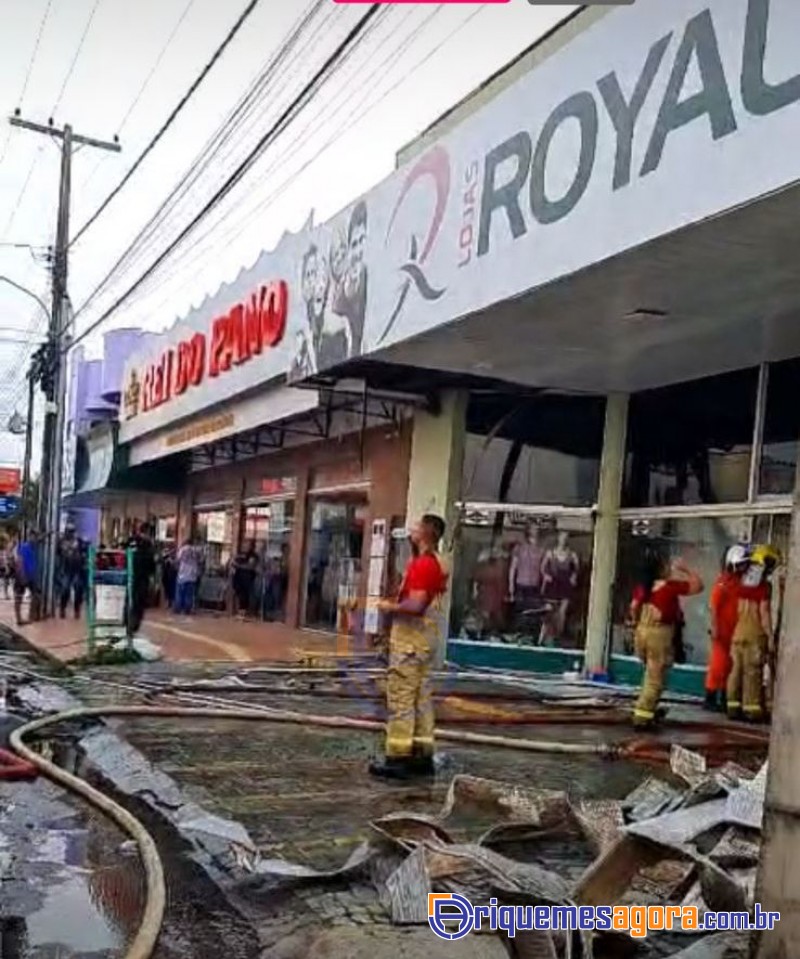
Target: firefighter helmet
{"x": 767, "y": 556}
{"x": 737, "y": 555}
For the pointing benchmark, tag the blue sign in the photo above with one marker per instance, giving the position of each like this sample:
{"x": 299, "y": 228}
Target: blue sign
{"x": 9, "y": 505}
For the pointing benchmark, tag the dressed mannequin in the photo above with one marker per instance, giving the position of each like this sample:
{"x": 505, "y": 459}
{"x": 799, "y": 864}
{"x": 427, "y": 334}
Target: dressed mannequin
{"x": 489, "y": 589}
{"x": 525, "y": 574}
{"x": 560, "y": 569}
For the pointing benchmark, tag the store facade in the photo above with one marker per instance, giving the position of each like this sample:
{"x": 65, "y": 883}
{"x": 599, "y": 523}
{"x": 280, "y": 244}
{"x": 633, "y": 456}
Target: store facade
{"x": 580, "y": 349}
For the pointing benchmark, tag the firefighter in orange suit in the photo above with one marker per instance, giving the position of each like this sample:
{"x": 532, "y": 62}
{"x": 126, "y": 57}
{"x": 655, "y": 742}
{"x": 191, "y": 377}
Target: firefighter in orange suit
{"x": 723, "y": 605}
{"x": 752, "y": 637}
{"x": 412, "y": 642}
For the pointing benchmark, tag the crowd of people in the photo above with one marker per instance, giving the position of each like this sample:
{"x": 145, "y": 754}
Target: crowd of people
{"x": 743, "y": 653}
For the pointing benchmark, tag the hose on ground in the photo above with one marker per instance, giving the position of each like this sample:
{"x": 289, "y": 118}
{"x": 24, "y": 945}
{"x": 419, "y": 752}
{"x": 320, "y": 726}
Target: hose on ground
{"x": 146, "y": 937}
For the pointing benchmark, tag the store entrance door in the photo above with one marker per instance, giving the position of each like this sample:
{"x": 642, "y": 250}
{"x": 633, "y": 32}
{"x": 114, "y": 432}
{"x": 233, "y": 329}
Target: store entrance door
{"x": 333, "y": 558}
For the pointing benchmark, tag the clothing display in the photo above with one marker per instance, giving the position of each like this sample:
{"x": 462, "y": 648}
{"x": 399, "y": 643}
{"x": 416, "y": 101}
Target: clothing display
{"x": 560, "y": 569}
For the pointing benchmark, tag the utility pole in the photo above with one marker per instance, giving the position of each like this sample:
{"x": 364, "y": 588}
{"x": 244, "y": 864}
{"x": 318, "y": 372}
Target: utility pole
{"x": 55, "y": 384}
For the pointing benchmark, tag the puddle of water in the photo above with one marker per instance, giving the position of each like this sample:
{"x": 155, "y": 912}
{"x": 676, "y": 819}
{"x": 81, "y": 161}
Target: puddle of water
{"x": 70, "y": 917}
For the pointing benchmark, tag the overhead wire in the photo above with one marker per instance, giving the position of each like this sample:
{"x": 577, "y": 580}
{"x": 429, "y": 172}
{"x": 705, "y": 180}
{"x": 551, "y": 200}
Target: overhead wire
{"x": 148, "y": 235}
{"x": 158, "y": 61}
{"x": 75, "y": 58}
{"x": 353, "y": 34}
{"x": 341, "y": 128}
{"x": 311, "y": 127}
{"x": 241, "y": 115}
{"x": 28, "y": 73}
{"x": 142, "y": 89}
{"x": 35, "y": 53}
{"x": 173, "y": 116}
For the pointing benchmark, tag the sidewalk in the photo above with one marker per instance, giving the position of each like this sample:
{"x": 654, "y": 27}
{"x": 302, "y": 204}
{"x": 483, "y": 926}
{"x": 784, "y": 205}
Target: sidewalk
{"x": 204, "y": 637}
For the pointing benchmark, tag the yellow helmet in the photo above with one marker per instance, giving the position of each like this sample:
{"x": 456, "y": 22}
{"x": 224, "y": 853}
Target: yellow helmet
{"x": 767, "y": 556}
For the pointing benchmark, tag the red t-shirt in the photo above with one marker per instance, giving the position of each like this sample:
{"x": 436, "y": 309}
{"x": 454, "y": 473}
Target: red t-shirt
{"x": 424, "y": 573}
{"x": 666, "y": 599}
{"x": 755, "y": 594}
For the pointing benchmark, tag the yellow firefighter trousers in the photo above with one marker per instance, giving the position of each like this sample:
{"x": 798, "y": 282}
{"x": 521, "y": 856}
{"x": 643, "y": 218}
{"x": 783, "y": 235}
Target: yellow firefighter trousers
{"x": 748, "y": 648}
{"x": 653, "y": 643}
{"x": 409, "y": 697}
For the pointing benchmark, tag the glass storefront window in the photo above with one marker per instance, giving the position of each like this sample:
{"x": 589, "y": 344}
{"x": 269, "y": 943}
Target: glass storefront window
{"x": 781, "y": 430}
{"x": 333, "y": 560}
{"x": 702, "y": 543}
{"x": 522, "y": 580}
{"x": 533, "y": 450}
{"x": 213, "y": 529}
{"x": 267, "y": 528}
{"x": 691, "y": 444}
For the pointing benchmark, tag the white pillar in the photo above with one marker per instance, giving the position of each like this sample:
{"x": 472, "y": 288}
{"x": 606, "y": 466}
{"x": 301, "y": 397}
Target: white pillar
{"x": 606, "y": 531}
{"x": 778, "y": 886}
{"x": 434, "y": 480}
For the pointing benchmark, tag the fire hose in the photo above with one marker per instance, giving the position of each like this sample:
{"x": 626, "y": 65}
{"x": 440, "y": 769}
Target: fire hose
{"x": 146, "y": 937}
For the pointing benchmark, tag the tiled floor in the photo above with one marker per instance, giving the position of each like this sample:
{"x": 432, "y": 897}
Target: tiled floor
{"x": 203, "y": 637}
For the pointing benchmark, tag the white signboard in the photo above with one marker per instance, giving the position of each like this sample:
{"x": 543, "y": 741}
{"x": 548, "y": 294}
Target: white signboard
{"x": 217, "y": 528}
{"x": 110, "y": 604}
{"x": 661, "y": 114}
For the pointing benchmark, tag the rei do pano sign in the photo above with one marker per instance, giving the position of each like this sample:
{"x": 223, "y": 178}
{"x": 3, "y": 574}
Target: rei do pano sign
{"x": 659, "y": 115}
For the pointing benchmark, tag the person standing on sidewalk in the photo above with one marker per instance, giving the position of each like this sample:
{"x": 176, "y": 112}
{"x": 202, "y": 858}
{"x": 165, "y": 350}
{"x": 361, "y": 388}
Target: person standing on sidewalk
{"x": 412, "y": 641}
{"x": 71, "y": 561}
{"x": 188, "y": 561}
{"x": 26, "y": 578}
{"x": 144, "y": 567}
{"x": 656, "y": 611}
{"x": 6, "y": 570}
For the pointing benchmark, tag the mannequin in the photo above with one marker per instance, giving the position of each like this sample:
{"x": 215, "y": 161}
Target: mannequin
{"x": 560, "y": 569}
{"x": 489, "y": 589}
{"x": 525, "y": 574}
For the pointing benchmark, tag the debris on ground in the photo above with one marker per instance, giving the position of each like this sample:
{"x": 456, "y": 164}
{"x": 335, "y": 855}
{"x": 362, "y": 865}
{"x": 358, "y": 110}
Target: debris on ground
{"x": 698, "y": 845}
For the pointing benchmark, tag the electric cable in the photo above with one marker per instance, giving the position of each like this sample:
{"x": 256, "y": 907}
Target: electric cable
{"x": 75, "y": 59}
{"x": 342, "y": 127}
{"x": 35, "y": 53}
{"x": 243, "y": 167}
{"x": 159, "y": 59}
{"x": 149, "y": 234}
{"x": 142, "y": 89}
{"x": 147, "y": 237}
{"x": 173, "y": 116}
{"x": 28, "y": 73}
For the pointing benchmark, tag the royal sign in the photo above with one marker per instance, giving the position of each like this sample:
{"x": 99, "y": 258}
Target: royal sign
{"x": 247, "y": 330}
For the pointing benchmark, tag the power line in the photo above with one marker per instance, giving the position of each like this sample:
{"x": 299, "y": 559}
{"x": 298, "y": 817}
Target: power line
{"x": 177, "y": 110}
{"x": 157, "y": 64}
{"x": 148, "y": 235}
{"x": 45, "y": 16}
{"x": 355, "y": 115}
{"x": 243, "y": 167}
{"x": 72, "y": 66}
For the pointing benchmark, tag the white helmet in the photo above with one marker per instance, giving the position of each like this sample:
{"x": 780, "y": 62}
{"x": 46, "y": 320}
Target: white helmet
{"x": 737, "y": 555}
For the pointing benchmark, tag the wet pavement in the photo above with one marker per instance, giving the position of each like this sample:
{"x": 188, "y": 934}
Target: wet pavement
{"x": 302, "y": 793}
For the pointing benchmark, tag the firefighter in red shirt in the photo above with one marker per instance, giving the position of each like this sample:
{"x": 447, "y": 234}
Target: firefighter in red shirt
{"x": 657, "y": 615}
{"x": 412, "y": 641}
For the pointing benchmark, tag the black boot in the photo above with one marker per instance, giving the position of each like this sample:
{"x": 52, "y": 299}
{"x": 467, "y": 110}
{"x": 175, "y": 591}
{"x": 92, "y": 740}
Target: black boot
{"x": 711, "y": 703}
{"x": 422, "y": 764}
{"x": 392, "y": 768}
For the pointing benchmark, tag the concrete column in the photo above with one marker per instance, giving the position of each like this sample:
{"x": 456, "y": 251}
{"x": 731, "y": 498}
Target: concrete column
{"x": 434, "y": 478}
{"x": 606, "y": 531}
{"x": 778, "y": 886}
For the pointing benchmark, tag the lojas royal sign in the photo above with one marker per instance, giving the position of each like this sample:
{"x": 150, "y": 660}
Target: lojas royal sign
{"x": 234, "y": 338}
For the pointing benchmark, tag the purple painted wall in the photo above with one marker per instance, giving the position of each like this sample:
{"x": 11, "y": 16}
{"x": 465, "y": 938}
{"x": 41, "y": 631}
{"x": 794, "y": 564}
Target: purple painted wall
{"x": 118, "y": 345}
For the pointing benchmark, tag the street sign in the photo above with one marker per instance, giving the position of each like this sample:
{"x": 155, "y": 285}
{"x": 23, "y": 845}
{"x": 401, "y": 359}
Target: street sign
{"x": 9, "y": 505}
{"x": 10, "y": 480}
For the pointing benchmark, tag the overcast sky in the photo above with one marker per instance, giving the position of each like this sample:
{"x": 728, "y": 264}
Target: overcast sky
{"x": 415, "y": 63}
